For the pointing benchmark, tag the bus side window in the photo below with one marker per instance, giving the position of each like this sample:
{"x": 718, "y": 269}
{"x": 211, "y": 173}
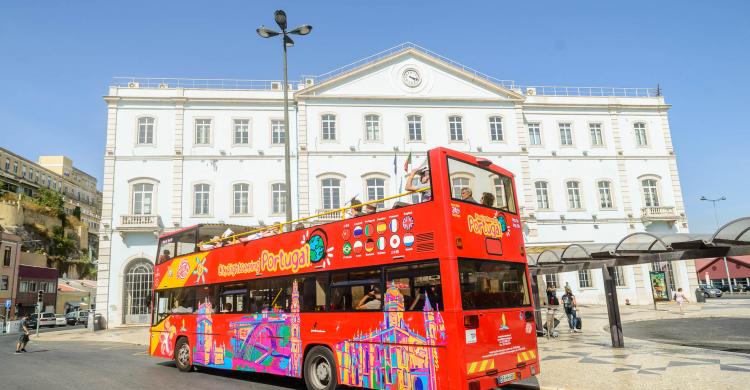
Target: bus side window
{"x": 356, "y": 290}
{"x": 257, "y": 296}
{"x": 233, "y": 298}
{"x": 313, "y": 293}
{"x": 417, "y": 283}
{"x": 205, "y": 295}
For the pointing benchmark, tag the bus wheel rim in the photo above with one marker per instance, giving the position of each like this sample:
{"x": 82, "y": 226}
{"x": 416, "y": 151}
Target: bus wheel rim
{"x": 321, "y": 372}
{"x": 184, "y": 355}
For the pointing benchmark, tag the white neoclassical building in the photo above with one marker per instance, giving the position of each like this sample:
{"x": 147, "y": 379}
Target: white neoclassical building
{"x": 594, "y": 164}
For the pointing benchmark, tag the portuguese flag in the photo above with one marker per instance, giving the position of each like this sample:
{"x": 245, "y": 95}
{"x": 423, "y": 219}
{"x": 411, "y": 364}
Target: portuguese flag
{"x": 407, "y": 163}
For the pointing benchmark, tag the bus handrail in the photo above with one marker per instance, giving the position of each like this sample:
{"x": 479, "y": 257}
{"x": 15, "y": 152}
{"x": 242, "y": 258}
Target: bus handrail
{"x": 342, "y": 210}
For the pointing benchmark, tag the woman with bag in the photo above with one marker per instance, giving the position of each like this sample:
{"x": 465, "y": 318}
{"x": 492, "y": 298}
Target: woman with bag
{"x": 570, "y": 306}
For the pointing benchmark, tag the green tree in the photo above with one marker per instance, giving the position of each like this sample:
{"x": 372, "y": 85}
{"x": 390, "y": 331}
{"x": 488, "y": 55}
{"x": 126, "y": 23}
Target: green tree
{"x": 59, "y": 244}
{"x": 51, "y": 199}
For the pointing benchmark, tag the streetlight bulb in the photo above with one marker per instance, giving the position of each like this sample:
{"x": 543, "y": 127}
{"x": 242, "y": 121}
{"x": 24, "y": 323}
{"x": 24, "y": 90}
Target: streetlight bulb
{"x": 280, "y": 17}
{"x": 288, "y": 41}
{"x": 302, "y": 30}
{"x": 723, "y": 198}
{"x": 266, "y": 33}
{"x": 703, "y": 198}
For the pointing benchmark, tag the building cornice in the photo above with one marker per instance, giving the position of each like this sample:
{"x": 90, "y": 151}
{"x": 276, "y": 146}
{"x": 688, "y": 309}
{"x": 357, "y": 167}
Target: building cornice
{"x": 607, "y": 106}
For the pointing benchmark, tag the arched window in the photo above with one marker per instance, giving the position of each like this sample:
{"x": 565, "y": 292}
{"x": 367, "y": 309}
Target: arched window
{"x": 605, "y": 194}
{"x": 375, "y": 189}
{"x": 574, "y": 195}
{"x": 328, "y": 127}
{"x": 241, "y": 198}
{"x": 278, "y": 198}
{"x": 331, "y": 193}
{"x": 143, "y": 198}
{"x": 139, "y": 279}
{"x": 202, "y": 197}
{"x": 650, "y": 188}
{"x": 145, "y": 131}
{"x": 542, "y": 195}
{"x": 640, "y": 134}
{"x": 372, "y": 127}
{"x": 496, "y": 128}
{"x": 414, "y": 123}
{"x": 455, "y": 124}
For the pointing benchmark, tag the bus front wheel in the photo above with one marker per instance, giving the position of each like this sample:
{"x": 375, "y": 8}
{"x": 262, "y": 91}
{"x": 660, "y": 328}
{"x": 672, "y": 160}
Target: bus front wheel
{"x": 320, "y": 369}
{"x": 182, "y": 355}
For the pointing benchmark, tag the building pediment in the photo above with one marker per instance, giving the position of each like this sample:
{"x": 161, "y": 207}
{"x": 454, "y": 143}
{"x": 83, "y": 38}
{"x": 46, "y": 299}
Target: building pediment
{"x": 410, "y": 74}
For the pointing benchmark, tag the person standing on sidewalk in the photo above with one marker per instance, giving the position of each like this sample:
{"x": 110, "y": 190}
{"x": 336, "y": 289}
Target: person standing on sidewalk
{"x": 569, "y": 304}
{"x": 680, "y": 297}
{"x": 24, "y": 338}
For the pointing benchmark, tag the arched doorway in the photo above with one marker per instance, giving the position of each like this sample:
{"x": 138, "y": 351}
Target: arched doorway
{"x": 139, "y": 279}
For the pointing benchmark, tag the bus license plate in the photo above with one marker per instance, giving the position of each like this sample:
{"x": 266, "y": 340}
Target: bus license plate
{"x": 506, "y": 378}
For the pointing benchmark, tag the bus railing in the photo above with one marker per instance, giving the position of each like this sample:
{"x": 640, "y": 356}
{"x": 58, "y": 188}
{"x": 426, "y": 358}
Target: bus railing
{"x": 324, "y": 217}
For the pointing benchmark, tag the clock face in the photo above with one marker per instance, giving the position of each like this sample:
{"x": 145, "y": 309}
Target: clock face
{"x": 411, "y": 78}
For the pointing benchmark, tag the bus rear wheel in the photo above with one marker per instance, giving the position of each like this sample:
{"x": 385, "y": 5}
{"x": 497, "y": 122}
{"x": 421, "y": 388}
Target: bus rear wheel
{"x": 182, "y": 355}
{"x": 320, "y": 369}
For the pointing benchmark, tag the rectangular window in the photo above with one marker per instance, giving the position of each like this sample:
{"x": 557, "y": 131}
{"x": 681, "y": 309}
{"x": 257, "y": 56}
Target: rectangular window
{"x": 7, "y": 165}
{"x": 619, "y": 276}
{"x": 542, "y": 195}
{"x": 241, "y": 198}
{"x": 356, "y": 290}
{"x": 596, "y": 134}
{"x": 415, "y": 127}
{"x": 23, "y": 171}
{"x": 313, "y": 291}
{"x": 650, "y": 193}
{"x": 418, "y": 284}
{"x": 241, "y": 131}
{"x": 535, "y": 134}
{"x": 584, "y": 278}
{"x": 23, "y": 287}
{"x": 32, "y": 286}
{"x": 372, "y": 127}
{"x": 143, "y": 194}
{"x": 376, "y": 190}
{"x": 202, "y": 201}
{"x": 485, "y": 189}
{"x": 6, "y": 256}
{"x": 328, "y": 125}
{"x": 278, "y": 134}
{"x": 640, "y": 134}
{"x": 51, "y": 287}
{"x": 574, "y": 195}
{"x": 233, "y": 298}
{"x": 566, "y": 134}
{"x": 202, "y": 131}
{"x": 4, "y": 283}
{"x": 493, "y": 284}
{"x": 456, "y": 128}
{"x": 551, "y": 280}
{"x": 43, "y": 286}
{"x": 278, "y": 197}
{"x": 145, "y": 131}
{"x": 331, "y": 193}
{"x": 496, "y": 128}
{"x": 605, "y": 195}
{"x": 15, "y": 167}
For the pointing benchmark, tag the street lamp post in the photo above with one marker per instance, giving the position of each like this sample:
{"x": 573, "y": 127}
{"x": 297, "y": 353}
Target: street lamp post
{"x": 716, "y": 220}
{"x": 280, "y": 19}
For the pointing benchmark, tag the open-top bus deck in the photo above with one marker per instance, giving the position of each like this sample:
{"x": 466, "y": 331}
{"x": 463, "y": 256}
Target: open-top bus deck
{"x": 429, "y": 295}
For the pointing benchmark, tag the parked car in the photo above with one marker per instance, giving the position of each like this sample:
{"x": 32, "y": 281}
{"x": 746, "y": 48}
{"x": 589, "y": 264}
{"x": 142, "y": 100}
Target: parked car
{"x": 60, "y": 320}
{"x": 47, "y": 319}
{"x": 710, "y": 291}
{"x": 723, "y": 287}
{"x": 77, "y": 317}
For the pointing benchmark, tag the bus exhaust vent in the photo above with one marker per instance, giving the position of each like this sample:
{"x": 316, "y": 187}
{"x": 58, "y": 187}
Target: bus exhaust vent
{"x": 425, "y": 242}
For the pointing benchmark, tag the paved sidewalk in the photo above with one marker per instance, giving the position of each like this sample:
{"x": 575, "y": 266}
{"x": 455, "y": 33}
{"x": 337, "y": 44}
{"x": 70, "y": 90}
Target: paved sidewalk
{"x": 132, "y": 335}
{"x": 587, "y": 360}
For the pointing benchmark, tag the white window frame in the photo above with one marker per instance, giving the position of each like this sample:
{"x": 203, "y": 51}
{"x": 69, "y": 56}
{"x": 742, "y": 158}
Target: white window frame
{"x": 640, "y": 132}
{"x": 555, "y": 280}
{"x": 547, "y": 195}
{"x": 657, "y": 194}
{"x": 272, "y": 124}
{"x": 589, "y": 278}
{"x": 323, "y": 121}
{"x": 592, "y": 138}
{"x": 378, "y": 132}
{"x": 611, "y": 194}
{"x": 138, "y": 130}
{"x": 560, "y": 126}
{"x": 366, "y": 187}
{"x": 209, "y": 212}
{"x": 459, "y": 129}
{"x": 272, "y": 200}
{"x": 249, "y": 131}
{"x": 620, "y": 277}
{"x": 249, "y": 199}
{"x": 456, "y": 189}
{"x": 571, "y": 199}
{"x": 342, "y": 190}
{"x": 210, "y": 131}
{"x": 421, "y": 127}
{"x": 154, "y": 194}
{"x": 490, "y": 128}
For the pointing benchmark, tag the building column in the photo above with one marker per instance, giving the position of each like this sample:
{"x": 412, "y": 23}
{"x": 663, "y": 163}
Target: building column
{"x": 528, "y": 205}
{"x": 178, "y": 164}
{"x": 630, "y": 214}
{"x": 107, "y": 222}
{"x": 303, "y": 164}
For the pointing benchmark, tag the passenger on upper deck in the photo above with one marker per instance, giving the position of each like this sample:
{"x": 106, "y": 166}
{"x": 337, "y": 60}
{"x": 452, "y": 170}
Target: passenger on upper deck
{"x": 165, "y": 256}
{"x": 424, "y": 182}
{"x": 467, "y": 195}
{"x": 356, "y": 210}
{"x": 488, "y": 199}
{"x": 370, "y": 208}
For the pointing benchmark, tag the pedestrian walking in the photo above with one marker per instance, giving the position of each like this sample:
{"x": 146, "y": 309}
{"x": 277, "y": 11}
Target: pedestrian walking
{"x": 570, "y": 306}
{"x": 680, "y": 297}
{"x": 24, "y": 338}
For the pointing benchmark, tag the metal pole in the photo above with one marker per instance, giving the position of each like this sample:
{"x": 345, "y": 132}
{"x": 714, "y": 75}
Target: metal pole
{"x": 38, "y": 316}
{"x": 287, "y": 157}
{"x": 726, "y": 266}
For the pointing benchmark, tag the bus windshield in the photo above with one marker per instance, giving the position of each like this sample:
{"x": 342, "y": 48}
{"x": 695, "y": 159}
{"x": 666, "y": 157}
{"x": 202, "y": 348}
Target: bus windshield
{"x": 473, "y": 184}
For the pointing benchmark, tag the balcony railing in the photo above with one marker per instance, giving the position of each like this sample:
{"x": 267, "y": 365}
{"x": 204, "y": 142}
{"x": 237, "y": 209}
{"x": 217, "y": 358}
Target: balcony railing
{"x": 329, "y": 216}
{"x": 659, "y": 213}
{"x": 135, "y": 222}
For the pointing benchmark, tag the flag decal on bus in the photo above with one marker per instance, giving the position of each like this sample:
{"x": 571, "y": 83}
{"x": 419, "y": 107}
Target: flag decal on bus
{"x": 408, "y": 239}
{"x": 381, "y": 243}
{"x": 357, "y": 231}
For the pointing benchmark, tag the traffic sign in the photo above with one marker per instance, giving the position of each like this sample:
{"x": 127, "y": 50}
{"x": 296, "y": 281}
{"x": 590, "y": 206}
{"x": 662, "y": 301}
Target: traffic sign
{"x": 7, "y": 304}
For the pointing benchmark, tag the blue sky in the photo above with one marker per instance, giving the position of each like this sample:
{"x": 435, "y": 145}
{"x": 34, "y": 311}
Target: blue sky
{"x": 57, "y": 58}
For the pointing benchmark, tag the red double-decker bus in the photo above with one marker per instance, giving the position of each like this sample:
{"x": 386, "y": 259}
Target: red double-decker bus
{"x": 431, "y": 291}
